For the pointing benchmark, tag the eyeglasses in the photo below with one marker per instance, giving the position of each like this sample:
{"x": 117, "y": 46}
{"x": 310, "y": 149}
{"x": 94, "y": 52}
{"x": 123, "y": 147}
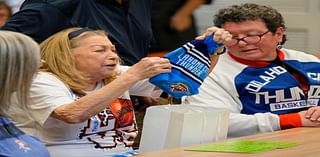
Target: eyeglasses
{"x": 250, "y": 39}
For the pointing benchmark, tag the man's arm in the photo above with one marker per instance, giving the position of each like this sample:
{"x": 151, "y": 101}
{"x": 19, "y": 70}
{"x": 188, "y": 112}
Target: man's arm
{"x": 38, "y": 20}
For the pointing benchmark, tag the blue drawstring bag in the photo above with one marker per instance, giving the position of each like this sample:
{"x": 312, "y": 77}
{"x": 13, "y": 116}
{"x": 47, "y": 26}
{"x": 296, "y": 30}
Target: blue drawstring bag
{"x": 190, "y": 66}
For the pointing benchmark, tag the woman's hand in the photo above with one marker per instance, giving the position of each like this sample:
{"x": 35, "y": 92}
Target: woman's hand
{"x": 148, "y": 67}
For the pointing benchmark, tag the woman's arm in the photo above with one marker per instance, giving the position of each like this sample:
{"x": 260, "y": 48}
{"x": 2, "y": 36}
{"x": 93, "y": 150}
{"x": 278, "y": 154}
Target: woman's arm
{"x": 89, "y": 105}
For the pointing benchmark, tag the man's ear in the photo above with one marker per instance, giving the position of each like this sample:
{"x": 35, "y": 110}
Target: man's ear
{"x": 279, "y": 34}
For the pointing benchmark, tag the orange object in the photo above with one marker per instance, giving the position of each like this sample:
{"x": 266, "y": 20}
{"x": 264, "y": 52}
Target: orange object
{"x": 291, "y": 120}
{"x": 157, "y": 54}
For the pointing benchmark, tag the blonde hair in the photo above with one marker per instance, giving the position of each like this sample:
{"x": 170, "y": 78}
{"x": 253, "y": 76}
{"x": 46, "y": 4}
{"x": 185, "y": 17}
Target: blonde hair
{"x": 19, "y": 60}
{"x": 57, "y": 58}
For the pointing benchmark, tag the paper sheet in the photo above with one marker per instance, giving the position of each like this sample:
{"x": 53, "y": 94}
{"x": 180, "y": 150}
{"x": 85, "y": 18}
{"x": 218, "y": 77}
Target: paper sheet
{"x": 244, "y": 146}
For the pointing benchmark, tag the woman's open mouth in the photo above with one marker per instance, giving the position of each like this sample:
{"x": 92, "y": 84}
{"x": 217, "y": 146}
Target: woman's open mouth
{"x": 110, "y": 66}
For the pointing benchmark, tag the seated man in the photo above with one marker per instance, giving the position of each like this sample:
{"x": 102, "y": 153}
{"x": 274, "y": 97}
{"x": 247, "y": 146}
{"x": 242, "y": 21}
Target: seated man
{"x": 265, "y": 87}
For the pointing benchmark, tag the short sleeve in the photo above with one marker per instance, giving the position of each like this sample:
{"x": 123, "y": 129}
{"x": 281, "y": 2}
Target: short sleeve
{"x": 46, "y": 94}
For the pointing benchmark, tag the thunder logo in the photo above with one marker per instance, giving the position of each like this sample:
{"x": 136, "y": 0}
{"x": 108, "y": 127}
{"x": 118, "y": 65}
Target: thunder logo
{"x": 179, "y": 87}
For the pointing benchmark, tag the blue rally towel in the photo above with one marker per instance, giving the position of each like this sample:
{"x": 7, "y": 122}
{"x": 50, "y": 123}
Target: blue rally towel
{"x": 190, "y": 66}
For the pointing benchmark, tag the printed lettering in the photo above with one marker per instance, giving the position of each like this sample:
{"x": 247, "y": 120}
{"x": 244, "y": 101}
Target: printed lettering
{"x": 270, "y": 74}
{"x": 314, "y": 92}
{"x": 293, "y": 104}
{"x": 294, "y": 93}
{"x": 193, "y": 65}
{"x": 314, "y": 76}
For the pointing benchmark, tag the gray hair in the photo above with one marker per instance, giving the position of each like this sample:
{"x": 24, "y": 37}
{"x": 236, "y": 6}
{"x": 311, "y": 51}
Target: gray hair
{"x": 19, "y": 60}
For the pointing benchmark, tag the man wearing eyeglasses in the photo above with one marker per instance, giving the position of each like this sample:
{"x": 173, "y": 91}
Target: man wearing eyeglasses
{"x": 264, "y": 86}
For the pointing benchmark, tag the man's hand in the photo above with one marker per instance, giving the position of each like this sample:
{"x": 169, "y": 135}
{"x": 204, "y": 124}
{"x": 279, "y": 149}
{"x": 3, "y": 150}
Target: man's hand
{"x": 307, "y": 122}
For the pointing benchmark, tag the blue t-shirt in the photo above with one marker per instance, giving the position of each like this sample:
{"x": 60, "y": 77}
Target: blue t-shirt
{"x": 15, "y": 143}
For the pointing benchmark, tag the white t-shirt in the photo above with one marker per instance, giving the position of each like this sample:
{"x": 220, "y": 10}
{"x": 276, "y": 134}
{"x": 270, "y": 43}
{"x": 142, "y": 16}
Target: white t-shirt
{"x": 111, "y": 131}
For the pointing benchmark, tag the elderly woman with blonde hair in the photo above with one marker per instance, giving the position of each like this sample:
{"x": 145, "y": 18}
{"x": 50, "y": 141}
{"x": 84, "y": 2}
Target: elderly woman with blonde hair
{"x": 80, "y": 98}
{"x": 19, "y": 59}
